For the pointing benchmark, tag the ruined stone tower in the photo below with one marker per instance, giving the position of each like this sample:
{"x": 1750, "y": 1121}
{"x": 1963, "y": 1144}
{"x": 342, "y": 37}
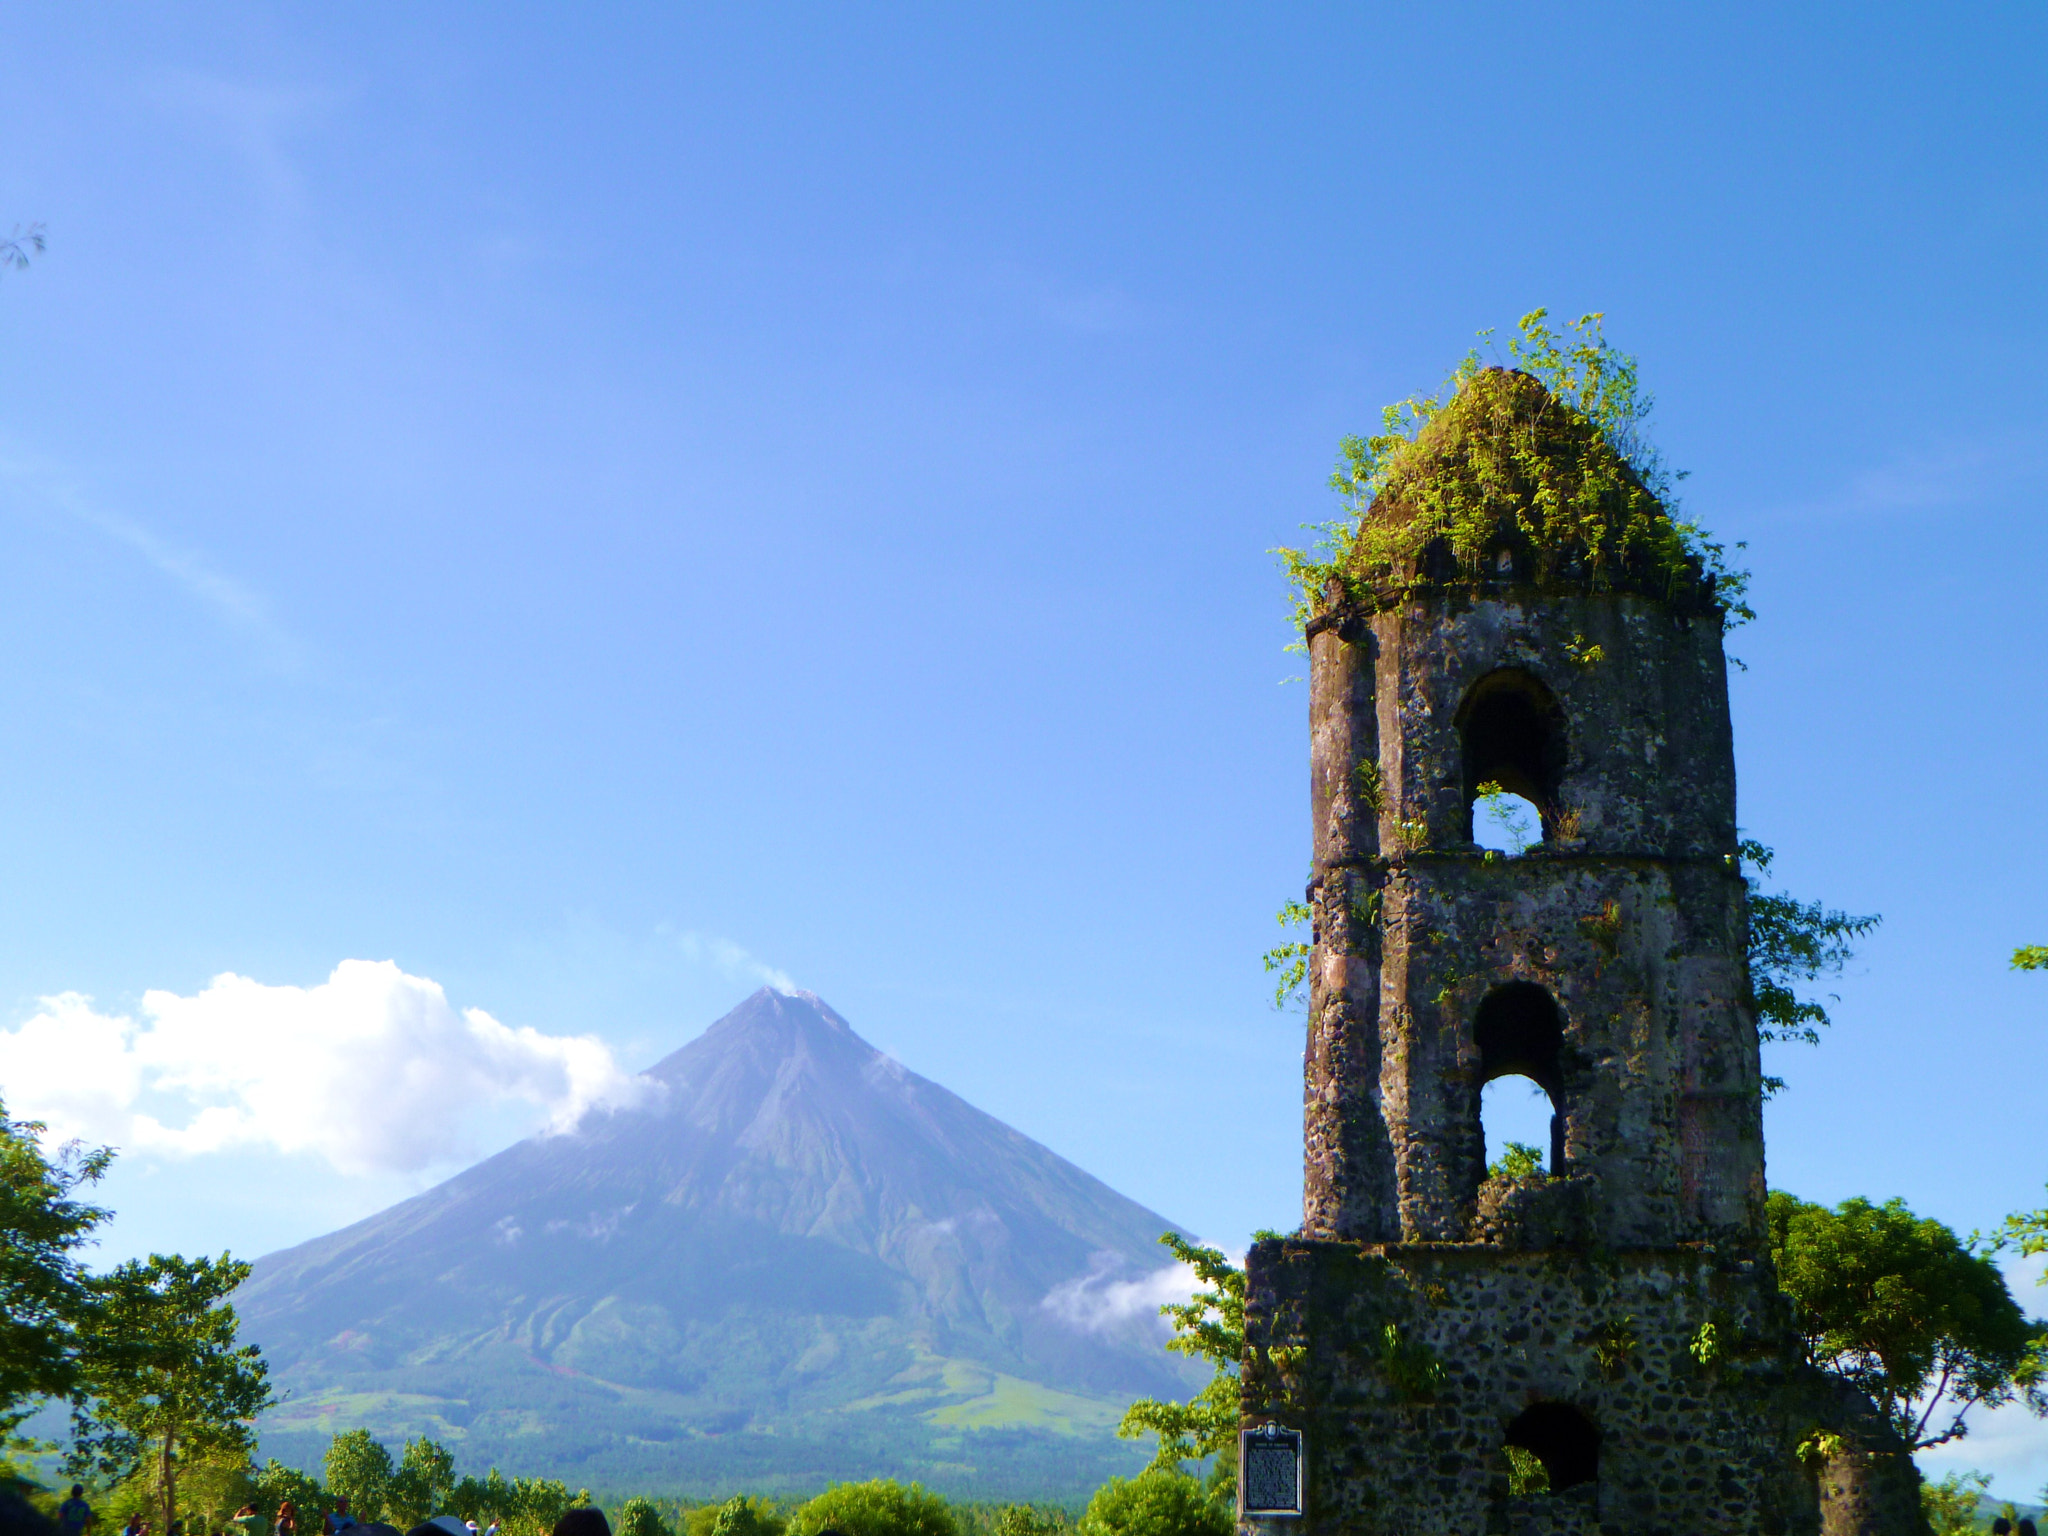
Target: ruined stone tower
{"x": 1518, "y": 611}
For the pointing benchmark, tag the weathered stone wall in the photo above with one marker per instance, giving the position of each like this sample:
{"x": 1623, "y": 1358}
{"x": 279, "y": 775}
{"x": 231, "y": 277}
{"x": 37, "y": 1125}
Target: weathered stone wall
{"x": 1425, "y": 1307}
{"x": 1629, "y": 913}
{"x": 1684, "y": 1445}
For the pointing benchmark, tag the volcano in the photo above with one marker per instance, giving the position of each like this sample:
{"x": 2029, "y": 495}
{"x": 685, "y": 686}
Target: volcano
{"x": 792, "y": 1261}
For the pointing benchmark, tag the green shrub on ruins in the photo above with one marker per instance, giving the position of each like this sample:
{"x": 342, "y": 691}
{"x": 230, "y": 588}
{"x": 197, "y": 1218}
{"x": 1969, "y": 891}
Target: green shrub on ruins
{"x": 882, "y": 1507}
{"x": 1552, "y": 455}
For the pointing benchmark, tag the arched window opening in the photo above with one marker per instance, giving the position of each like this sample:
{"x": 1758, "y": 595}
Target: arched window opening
{"x": 1505, "y": 823}
{"x": 1512, "y": 732}
{"x": 1562, "y": 1438}
{"x": 1516, "y": 1122}
{"x": 1520, "y": 1035}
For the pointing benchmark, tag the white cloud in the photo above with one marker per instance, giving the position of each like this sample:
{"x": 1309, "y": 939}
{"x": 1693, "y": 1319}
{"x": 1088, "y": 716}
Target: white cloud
{"x": 1097, "y": 1302}
{"x": 372, "y": 1070}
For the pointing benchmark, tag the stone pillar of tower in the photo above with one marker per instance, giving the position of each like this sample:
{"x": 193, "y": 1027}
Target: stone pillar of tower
{"x": 1614, "y": 1319}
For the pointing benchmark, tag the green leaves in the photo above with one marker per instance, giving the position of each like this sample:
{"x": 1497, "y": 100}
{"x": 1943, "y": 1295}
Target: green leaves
{"x": 1209, "y": 1325}
{"x": 1519, "y": 1161}
{"x": 359, "y": 1469}
{"x": 1155, "y": 1503}
{"x": 1792, "y": 941}
{"x": 878, "y": 1508}
{"x": 1290, "y": 959}
{"x": 1556, "y": 454}
{"x": 2030, "y": 957}
{"x": 1898, "y": 1305}
{"x": 44, "y": 1295}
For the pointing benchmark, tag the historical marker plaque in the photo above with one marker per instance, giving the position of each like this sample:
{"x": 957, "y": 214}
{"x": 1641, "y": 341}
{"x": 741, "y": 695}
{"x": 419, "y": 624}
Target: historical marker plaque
{"x": 1269, "y": 1471}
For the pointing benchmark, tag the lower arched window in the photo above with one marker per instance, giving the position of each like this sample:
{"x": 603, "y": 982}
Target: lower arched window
{"x": 1562, "y": 1440}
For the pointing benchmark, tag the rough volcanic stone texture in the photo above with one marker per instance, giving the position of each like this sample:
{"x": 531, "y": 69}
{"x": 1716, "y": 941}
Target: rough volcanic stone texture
{"x": 1587, "y": 1287}
{"x": 1682, "y": 1447}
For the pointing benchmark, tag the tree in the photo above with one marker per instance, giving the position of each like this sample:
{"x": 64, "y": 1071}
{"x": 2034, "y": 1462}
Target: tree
{"x": 879, "y": 1508}
{"x": 161, "y": 1374}
{"x": 524, "y": 1506}
{"x": 1790, "y": 942}
{"x": 359, "y": 1469}
{"x": 740, "y": 1515}
{"x": 639, "y": 1517}
{"x": 44, "y": 1294}
{"x": 2030, "y": 957}
{"x": 420, "y": 1487}
{"x": 1209, "y": 1325}
{"x": 1156, "y": 1502}
{"x": 278, "y": 1485}
{"x": 1032, "y": 1520}
{"x": 1909, "y": 1313}
{"x": 1951, "y": 1504}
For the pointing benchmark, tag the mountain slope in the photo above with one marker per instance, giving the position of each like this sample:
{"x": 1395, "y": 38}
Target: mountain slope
{"x": 794, "y": 1254}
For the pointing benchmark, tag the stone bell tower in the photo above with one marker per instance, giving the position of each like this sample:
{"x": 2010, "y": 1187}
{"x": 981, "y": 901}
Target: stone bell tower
{"x": 1519, "y": 611}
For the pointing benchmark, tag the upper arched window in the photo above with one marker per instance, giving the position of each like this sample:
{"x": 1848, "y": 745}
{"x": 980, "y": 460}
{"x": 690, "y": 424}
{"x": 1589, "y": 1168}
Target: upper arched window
{"x": 1512, "y": 731}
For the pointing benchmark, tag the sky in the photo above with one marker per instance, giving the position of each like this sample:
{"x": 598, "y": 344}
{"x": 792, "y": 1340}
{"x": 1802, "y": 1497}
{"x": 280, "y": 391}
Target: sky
{"x": 520, "y": 525}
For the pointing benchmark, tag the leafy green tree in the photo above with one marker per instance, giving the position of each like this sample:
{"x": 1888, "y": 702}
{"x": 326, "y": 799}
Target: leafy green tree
{"x": 1156, "y": 1502}
{"x": 278, "y": 1485}
{"x": 420, "y": 1487}
{"x": 1905, "y": 1310}
{"x": 741, "y": 1515}
{"x": 639, "y": 1517}
{"x": 882, "y": 1507}
{"x": 44, "y": 1295}
{"x": 523, "y": 1506}
{"x": 1790, "y": 942}
{"x": 1519, "y": 1161}
{"x": 161, "y": 1374}
{"x": 1209, "y": 1325}
{"x": 1032, "y": 1520}
{"x": 359, "y": 1469}
{"x": 1951, "y": 1504}
{"x": 2030, "y": 957}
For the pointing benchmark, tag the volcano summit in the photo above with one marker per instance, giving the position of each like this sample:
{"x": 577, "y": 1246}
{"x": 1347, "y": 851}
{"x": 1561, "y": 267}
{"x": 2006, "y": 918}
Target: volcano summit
{"x": 793, "y": 1261}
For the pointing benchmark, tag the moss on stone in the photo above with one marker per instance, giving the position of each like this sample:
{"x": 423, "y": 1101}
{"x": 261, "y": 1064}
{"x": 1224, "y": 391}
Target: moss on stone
{"x": 1506, "y": 484}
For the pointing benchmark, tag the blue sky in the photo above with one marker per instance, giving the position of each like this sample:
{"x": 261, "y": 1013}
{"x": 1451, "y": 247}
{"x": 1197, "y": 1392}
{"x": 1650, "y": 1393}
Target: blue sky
{"x": 604, "y": 507}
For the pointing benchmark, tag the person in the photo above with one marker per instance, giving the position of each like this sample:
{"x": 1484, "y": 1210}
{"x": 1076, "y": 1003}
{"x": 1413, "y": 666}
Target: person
{"x": 74, "y": 1514}
{"x": 245, "y": 1520}
{"x": 287, "y": 1520}
{"x": 338, "y": 1519}
{"x": 2024, "y": 1528}
{"x": 135, "y": 1527}
{"x": 585, "y": 1520}
{"x": 2001, "y": 1527}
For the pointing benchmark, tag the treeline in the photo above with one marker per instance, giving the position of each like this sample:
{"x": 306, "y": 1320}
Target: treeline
{"x": 420, "y": 1483}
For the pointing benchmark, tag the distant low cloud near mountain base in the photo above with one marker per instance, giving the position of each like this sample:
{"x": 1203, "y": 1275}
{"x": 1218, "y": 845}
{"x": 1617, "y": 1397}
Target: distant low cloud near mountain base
{"x": 371, "y": 1070}
{"x": 1098, "y": 1302}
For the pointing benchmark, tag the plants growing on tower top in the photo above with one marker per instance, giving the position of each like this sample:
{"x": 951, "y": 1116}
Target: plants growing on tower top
{"x": 1547, "y": 465}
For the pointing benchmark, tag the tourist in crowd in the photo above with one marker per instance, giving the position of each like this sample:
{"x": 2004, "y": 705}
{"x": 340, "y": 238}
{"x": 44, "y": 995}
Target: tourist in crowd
{"x": 2024, "y": 1528}
{"x": 135, "y": 1527}
{"x": 74, "y": 1515}
{"x": 585, "y": 1520}
{"x": 338, "y": 1519}
{"x": 2001, "y": 1527}
{"x": 287, "y": 1520}
{"x": 245, "y": 1520}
